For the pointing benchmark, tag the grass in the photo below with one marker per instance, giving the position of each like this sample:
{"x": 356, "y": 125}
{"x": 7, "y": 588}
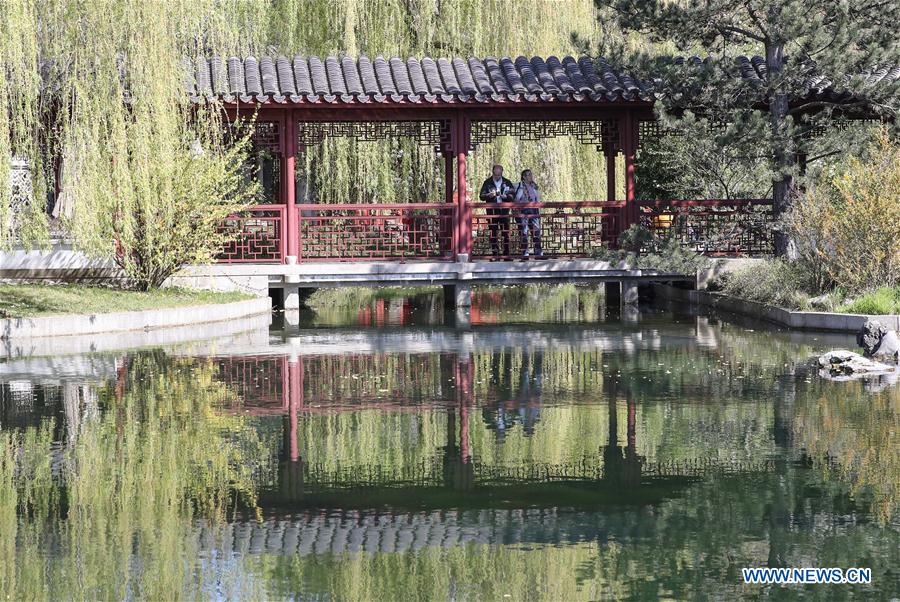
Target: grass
{"x": 882, "y": 301}
{"x": 28, "y": 300}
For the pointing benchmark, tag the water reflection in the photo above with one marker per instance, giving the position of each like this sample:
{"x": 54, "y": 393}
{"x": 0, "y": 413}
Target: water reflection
{"x": 577, "y": 456}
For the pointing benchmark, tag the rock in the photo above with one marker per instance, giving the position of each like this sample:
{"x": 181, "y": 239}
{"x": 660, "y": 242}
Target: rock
{"x": 878, "y": 342}
{"x": 822, "y": 302}
{"x": 842, "y": 365}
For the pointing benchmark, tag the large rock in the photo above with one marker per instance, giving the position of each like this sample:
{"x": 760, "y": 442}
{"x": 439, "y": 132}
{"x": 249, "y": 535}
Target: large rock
{"x": 878, "y": 342}
{"x": 842, "y": 365}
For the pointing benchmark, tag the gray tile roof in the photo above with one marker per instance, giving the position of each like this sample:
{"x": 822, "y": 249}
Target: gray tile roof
{"x": 442, "y": 80}
{"x": 453, "y": 80}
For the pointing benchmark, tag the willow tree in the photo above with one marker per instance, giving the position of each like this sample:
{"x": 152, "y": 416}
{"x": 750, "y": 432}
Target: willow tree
{"x": 20, "y": 118}
{"x": 804, "y": 45}
{"x": 96, "y": 88}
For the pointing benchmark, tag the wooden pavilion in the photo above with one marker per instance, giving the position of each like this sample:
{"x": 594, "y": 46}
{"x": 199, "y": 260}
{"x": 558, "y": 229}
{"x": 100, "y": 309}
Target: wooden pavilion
{"x": 453, "y": 106}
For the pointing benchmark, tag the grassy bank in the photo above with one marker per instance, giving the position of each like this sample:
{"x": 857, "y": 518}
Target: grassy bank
{"x": 27, "y": 300}
{"x": 789, "y": 286}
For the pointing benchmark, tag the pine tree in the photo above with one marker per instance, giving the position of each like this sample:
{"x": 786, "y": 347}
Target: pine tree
{"x": 848, "y": 49}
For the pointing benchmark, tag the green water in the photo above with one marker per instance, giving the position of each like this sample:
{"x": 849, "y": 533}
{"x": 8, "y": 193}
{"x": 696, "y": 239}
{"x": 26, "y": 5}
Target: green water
{"x": 543, "y": 447}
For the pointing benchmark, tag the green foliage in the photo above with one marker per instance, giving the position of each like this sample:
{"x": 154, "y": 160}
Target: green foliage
{"x": 775, "y": 282}
{"x": 640, "y": 249}
{"x": 635, "y": 239}
{"x": 836, "y": 40}
{"x": 882, "y": 301}
{"x": 124, "y": 487}
{"x": 846, "y": 234}
{"x": 696, "y": 159}
{"x": 847, "y": 226}
{"x": 174, "y": 218}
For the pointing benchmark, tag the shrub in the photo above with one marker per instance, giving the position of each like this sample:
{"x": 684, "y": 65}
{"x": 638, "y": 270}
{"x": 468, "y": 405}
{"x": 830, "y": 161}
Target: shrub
{"x": 885, "y": 300}
{"x": 775, "y": 282}
{"x": 846, "y": 227}
{"x": 641, "y": 250}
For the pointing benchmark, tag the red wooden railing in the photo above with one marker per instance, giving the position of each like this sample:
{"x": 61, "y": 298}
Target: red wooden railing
{"x": 439, "y": 231}
{"x": 376, "y": 231}
{"x": 256, "y": 235}
{"x": 567, "y": 229}
{"x": 713, "y": 227}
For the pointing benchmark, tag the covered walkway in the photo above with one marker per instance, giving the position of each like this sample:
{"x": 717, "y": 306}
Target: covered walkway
{"x": 453, "y": 106}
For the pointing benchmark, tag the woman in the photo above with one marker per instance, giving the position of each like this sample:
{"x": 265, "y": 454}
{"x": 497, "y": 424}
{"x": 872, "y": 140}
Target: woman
{"x": 528, "y": 218}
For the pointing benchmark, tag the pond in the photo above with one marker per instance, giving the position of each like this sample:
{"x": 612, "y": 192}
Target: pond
{"x": 542, "y": 447}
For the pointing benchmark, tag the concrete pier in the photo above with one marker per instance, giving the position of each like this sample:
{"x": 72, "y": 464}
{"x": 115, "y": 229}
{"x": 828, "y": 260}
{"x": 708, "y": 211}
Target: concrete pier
{"x": 457, "y": 296}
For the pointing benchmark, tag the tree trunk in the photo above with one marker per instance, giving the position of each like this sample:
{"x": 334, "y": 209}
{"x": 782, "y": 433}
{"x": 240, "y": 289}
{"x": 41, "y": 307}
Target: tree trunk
{"x": 784, "y": 154}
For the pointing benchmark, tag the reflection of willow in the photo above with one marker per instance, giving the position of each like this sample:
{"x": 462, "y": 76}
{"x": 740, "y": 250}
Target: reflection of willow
{"x": 358, "y": 378}
{"x": 503, "y": 374}
{"x": 514, "y": 392}
{"x": 123, "y": 493}
{"x": 856, "y": 433}
{"x": 380, "y": 306}
{"x": 368, "y": 306}
{"x": 536, "y": 303}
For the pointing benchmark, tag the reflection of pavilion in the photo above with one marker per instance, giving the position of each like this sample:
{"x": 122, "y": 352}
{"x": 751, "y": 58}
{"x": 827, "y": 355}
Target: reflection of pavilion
{"x": 615, "y": 475}
{"x": 337, "y": 532}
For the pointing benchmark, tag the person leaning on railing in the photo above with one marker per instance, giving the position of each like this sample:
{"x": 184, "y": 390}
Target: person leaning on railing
{"x": 528, "y": 218}
{"x": 497, "y": 189}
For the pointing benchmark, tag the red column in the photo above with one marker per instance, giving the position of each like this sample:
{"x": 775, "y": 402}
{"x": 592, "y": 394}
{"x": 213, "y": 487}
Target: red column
{"x": 292, "y": 225}
{"x": 450, "y": 225}
{"x": 464, "y": 212}
{"x": 448, "y": 177}
{"x": 629, "y": 143}
{"x": 611, "y": 175}
{"x": 615, "y": 214}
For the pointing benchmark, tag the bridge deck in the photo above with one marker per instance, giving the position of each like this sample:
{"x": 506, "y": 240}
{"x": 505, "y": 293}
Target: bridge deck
{"x": 385, "y": 273}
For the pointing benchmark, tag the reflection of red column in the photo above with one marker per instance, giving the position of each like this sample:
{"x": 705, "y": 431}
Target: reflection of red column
{"x": 465, "y": 377}
{"x": 405, "y": 312}
{"x": 632, "y": 412}
{"x": 379, "y": 312}
{"x": 121, "y": 373}
{"x": 285, "y": 366}
{"x": 295, "y": 393}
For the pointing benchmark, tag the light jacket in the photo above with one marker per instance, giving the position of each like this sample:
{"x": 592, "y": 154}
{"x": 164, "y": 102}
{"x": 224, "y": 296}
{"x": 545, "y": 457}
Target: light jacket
{"x": 524, "y": 195}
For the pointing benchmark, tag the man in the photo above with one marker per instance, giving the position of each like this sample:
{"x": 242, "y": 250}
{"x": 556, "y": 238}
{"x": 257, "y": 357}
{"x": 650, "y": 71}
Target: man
{"x": 528, "y": 218}
{"x": 497, "y": 189}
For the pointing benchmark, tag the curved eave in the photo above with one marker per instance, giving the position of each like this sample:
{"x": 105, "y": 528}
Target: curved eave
{"x": 421, "y": 101}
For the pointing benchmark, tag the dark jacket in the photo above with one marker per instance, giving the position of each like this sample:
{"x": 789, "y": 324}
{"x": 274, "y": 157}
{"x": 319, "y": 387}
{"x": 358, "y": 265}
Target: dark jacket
{"x": 488, "y": 186}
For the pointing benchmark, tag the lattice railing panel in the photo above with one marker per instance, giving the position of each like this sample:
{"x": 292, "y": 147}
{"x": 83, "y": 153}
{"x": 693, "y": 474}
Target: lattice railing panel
{"x": 714, "y": 227}
{"x": 369, "y": 231}
{"x": 256, "y": 236}
{"x": 567, "y": 229}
